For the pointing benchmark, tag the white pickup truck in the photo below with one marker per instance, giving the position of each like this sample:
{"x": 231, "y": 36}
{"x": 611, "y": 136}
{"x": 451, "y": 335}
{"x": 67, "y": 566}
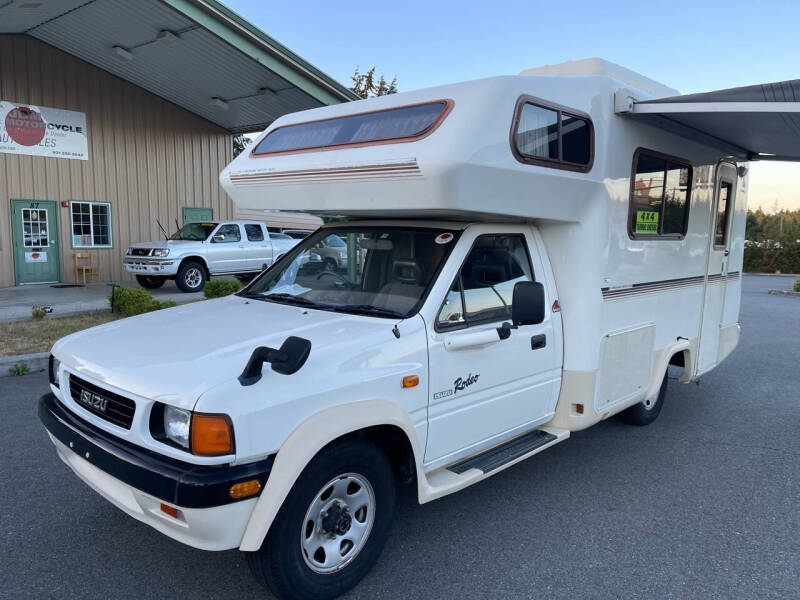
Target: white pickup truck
{"x": 198, "y": 251}
{"x": 516, "y": 262}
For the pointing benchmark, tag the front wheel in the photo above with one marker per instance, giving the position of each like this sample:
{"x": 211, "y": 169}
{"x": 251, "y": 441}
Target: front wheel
{"x": 647, "y": 411}
{"x": 332, "y": 526}
{"x": 150, "y": 282}
{"x": 191, "y": 277}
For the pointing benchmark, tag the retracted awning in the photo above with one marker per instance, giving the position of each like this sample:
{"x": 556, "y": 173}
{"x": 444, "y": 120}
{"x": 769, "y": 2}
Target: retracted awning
{"x": 757, "y": 122}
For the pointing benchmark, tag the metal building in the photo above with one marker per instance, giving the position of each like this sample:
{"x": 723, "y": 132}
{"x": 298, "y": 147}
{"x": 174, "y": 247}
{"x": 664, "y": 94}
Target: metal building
{"x": 115, "y": 114}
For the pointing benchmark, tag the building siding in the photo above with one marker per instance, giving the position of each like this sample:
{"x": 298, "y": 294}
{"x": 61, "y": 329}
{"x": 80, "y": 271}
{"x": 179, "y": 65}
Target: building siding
{"x": 147, "y": 157}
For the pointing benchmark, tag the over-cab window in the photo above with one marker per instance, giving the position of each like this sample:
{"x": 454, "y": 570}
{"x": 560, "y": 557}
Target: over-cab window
{"x": 552, "y": 136}
{"x": 404, "y": 123}
{"x": 484, "y": 288}
{"x": 660, "y": 190}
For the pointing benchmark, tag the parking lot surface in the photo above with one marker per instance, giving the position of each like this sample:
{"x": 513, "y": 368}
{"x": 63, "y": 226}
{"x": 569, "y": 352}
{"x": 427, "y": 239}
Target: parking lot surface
{"x": 704, "y": 503}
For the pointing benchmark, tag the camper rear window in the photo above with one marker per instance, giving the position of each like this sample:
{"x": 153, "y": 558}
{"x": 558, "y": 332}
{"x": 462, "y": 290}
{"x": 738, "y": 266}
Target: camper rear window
{"x": 552, "y": 136}
{"x": 400, "y": 124}
{"x": 660, "y": 189}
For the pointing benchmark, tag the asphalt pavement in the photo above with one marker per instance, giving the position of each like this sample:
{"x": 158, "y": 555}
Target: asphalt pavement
{"x": 704, "y": 503}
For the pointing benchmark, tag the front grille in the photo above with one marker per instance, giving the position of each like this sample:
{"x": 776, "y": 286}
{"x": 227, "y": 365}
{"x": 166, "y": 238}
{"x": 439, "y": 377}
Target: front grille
{"x": 140, "y": 251}
{"x": 105, "y": 404}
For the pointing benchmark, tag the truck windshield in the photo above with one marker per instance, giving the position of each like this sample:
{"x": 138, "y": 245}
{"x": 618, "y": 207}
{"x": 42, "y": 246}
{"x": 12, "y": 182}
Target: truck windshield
{"x": 382, "y": 272}
{"x": 197, "y": 232}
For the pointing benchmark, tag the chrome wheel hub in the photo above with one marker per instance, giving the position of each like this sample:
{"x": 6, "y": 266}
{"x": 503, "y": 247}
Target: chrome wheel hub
{"x": 193, "y": 277}
{"x": 337, "y": 523}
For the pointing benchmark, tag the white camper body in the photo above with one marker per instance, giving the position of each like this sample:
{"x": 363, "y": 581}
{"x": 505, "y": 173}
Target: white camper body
{"x": 521, "y": 257}
{"x": 628, "y": 305}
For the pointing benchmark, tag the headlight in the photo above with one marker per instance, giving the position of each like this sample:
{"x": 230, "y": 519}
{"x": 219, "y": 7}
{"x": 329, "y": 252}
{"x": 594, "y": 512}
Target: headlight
{"x": 176, "y": 425}
{"x": 160, "y": 252}
{"x": 129, "y": 251}
{"x": 54, "y": 366}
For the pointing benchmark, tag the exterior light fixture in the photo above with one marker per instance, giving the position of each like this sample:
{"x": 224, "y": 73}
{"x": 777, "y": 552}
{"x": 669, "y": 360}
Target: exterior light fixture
{"x": 123, "y": 53}
{"x": 218, "y": 103}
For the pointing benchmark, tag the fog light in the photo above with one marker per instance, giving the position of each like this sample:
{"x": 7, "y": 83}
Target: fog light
{"x": 245, "y": 489}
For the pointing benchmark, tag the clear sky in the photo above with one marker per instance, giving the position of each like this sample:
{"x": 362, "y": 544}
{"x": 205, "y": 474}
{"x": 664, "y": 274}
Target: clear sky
{"x": 691, "y": 46}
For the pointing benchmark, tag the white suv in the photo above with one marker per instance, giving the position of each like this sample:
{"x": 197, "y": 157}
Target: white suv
{"x": 201, "y": 250}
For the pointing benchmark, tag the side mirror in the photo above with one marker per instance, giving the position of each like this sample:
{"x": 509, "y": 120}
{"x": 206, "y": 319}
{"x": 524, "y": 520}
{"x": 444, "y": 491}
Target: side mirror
{"x": 219, "y": 237}
{"x": 527, "y": 306}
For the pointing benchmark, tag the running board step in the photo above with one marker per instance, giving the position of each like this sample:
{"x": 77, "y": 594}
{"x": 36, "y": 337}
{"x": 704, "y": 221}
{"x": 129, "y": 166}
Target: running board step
{"x": 505, "y": 453}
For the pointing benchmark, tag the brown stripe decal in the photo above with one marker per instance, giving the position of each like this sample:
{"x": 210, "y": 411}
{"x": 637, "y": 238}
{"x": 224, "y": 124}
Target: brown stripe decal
{"x": 356, "y": 172}
{"x": 667, "y": 285}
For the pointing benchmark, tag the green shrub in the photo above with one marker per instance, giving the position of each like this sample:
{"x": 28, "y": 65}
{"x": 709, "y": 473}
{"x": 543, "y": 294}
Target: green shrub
{"x": 796, "y": 285}
{"x": 18, "y": 370}
{"x": 217, "y": 288}
{"x": 38, "y": 313}
{"x": 135, "y": 301}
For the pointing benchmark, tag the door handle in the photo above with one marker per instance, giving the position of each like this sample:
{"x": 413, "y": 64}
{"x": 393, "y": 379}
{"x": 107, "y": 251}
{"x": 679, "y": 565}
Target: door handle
{"x": 538, "y": 341}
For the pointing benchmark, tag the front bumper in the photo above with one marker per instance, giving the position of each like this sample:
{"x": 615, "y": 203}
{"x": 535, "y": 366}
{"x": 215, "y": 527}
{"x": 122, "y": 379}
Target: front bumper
{"x": 138, "y": 480}
{"x": 150, "y": 266}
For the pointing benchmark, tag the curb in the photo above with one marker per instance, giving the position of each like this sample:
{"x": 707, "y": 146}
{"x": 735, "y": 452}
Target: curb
{"x": 759, "y": 274}
{"x": 35, "y": 362}
{"x": 784, "y": 293}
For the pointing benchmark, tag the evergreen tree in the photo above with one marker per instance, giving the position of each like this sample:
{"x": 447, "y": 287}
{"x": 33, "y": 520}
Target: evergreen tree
{"x": 365, "y": 85}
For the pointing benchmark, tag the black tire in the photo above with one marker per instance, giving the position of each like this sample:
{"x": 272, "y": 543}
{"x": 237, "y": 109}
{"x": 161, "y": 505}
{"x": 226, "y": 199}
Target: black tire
{"x": 330, "y": 264}
{"x": 646, "y": 412}
{"x": 280, "y": 564}
{"x": 191, "y": 277}
{"x": 246, "y": 278}
{"x": 150, "y": 282}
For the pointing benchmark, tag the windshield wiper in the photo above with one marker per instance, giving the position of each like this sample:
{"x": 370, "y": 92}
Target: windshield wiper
{"x": 368, "y": 309}
{"x": 286, "y": 299}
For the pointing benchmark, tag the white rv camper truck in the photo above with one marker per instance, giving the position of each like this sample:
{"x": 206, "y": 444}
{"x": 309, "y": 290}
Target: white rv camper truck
{"x": 525, "y": 256}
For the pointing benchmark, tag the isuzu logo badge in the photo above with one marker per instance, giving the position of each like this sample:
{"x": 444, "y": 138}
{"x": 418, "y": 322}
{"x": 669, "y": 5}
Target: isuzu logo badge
{"x": 93, "y": 401}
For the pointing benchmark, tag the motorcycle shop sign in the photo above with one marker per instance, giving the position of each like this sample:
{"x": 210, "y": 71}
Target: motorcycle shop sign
{"x": 42, "y": 131}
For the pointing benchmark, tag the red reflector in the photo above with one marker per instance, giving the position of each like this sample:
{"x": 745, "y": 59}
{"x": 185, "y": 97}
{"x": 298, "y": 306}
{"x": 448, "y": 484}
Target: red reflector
{"x": 170, "y": 510}
{"x": 556, "y": 306}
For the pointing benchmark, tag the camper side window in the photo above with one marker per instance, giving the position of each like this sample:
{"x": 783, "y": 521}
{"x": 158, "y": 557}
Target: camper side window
{"x": 660, "y": 190}
{"x": 552, "y": 136}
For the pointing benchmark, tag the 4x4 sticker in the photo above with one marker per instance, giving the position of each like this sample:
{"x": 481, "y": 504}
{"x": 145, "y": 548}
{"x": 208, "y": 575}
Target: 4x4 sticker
{"x": 459, "y": 384}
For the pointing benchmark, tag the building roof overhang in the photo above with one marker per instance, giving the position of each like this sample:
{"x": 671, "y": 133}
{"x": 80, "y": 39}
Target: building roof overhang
{"x": 197, "y": 54}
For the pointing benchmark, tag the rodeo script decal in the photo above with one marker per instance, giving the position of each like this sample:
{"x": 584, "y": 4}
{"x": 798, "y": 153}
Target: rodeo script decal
{"x": 458, "y": 385}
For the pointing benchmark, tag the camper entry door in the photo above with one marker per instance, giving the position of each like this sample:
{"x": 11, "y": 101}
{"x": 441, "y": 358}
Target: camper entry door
{"x": 717, "y": 272}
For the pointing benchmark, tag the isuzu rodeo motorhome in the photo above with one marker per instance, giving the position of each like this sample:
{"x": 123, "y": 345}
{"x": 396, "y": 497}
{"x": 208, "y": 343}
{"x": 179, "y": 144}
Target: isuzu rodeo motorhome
{"x": 525, "y": 257}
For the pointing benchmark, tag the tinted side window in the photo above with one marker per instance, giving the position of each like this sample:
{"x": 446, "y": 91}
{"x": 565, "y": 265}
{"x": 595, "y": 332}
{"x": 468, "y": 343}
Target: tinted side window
{"x": 551, "y": 137}
{"x": 230, "y": 232}
{"x": 254, "y": 233}
{"x": 660, "y": 189}
{"x": 484, "y": 288}
{"x": 723, "y": 207}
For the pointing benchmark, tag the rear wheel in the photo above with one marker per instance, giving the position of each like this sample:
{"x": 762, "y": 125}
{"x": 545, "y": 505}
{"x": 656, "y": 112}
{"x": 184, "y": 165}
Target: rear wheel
{"x": 191, "y": 277}
{"x": 646, "y": 412}
{"x": 332, "y": 525}
{"x": 329, "y": 264}
{"x": 150, "y": 282}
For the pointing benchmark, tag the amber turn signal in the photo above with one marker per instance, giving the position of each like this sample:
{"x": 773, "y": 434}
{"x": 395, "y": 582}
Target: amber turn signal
{"x": 170, "y": 510}
{"x": 410, "y": 381}
{"x": 245, "y": 489}
{"x": 212, "y": 435}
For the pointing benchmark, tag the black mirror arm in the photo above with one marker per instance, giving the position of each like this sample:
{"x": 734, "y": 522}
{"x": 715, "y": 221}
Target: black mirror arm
{"x": 262, "y": 354}
{"x": 504, "y": 331}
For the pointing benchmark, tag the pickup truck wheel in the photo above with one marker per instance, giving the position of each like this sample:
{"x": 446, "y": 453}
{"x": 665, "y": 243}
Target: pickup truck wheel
{"x": 646, "y": 412}
{"x": 329, "y": 264}
{"x": 150, "y": 282}
{"x": 191, "y": 277}
{"x": 332, "y": 526}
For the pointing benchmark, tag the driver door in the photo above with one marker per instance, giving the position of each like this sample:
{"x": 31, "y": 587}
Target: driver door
{"x": 484, "y": 389}
{"x": 226, "y": 252}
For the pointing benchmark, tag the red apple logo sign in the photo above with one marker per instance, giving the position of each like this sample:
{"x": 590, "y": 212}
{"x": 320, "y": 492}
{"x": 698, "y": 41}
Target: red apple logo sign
{"x": 25, "y": 126}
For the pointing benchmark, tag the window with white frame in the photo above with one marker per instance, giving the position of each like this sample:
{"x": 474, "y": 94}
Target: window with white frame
{"x": 91, "y": 224}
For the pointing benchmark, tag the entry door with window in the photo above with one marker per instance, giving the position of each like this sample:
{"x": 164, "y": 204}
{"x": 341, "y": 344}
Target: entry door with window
{"x": 484, "y": 392}
{"x": 718, "y": 256}
{"x": 35, "y": 240}
{"x": 226, "y": 251}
